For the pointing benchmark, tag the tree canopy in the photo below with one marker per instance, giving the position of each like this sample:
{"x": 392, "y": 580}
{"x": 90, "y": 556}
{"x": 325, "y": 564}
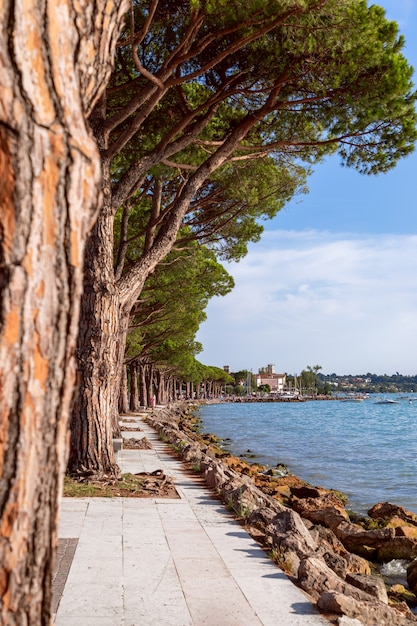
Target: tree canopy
{"x": 172, "y": 305}
{"x": 213, "y": 109}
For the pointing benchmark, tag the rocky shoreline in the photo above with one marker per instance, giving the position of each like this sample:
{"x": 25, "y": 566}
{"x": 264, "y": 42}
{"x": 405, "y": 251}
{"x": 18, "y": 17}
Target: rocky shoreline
{"x": 333, "y": 556}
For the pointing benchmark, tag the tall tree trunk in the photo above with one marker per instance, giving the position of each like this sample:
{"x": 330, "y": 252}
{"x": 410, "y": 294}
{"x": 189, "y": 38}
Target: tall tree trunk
{"x": 188, "y": 390}
{"x": 167, "y": 389}
{"x": 124, "y": 392}
{"x": 143, "y": 394}
{"x": 157, "y": 380}
{"x": 100, "y": 357}
{"x": 161, "y": 394}
{"x": 180, "y": 389}
{"x": 171, "y": 389}
{"x": 55, "y": 59}
{"x": 134, "y": 391}
{"x": 150, "y": 390}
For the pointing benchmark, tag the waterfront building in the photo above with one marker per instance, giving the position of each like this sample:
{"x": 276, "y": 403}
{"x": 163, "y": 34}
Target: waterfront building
{"x": 268, "y": 376}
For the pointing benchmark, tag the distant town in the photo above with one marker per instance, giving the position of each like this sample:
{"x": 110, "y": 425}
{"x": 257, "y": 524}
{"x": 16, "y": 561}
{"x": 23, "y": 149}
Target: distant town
{"x": 312, "y": 381}
{"x": 370, "y": 383}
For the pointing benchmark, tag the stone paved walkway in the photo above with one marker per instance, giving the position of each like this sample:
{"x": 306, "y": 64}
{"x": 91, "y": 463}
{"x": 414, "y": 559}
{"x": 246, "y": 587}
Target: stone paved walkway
{"x": 160, "y": 562}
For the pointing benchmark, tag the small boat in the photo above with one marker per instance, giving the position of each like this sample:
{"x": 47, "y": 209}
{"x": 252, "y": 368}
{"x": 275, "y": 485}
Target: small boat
{"x": 353, "y": 398}
{"x": 386, "y": 401}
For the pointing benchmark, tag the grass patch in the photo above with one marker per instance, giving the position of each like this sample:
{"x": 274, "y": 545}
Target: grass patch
{"x": 128, "y": 485}
{"x": 368, "y": 523}
{"x": 143, "y": 485}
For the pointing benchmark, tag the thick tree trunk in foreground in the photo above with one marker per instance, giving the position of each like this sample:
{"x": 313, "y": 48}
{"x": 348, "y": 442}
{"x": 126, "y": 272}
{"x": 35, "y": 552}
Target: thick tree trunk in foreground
{"x": 54, "y": 60}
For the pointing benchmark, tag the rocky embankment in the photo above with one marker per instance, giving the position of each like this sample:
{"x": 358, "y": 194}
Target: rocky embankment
{"x": 307, "y": 529}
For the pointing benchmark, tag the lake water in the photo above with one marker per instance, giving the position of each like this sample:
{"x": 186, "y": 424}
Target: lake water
{"x": 366, "y": 450}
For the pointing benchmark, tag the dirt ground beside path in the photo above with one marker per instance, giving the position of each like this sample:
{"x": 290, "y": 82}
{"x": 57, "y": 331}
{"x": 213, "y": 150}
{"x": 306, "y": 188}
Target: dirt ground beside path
{"x": 142, "y": 485}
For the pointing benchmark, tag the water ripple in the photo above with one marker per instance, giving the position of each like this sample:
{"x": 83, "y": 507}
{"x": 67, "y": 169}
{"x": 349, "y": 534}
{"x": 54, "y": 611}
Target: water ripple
{"x": 366, "y": 450}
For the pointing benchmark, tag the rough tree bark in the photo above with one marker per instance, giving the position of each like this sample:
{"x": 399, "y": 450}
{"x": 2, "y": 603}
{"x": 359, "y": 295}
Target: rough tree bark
{"x": 143, "y": 387}
{"x": 100, "y": 357}
{"x": 55, "y": 60}
{"x": 124, "y": 393}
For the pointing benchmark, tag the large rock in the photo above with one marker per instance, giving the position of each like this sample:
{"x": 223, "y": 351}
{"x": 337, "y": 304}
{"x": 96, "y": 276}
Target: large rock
{"x": 336, "y": 562}
{"x": 357, "y": 564}
{"x": 354, "y": 537}
{"x": 402, "y": 528}
{"x": 261, "y": 517}
{"x": 316, "y": 577}
{"x": 192, "y": 453}
{"x": 242, "y": 496}
{"x": 374, "y": 585}
{"x": 325, "y": 537}
{"x": 371, "y": 613}
{"x": 288, "y": 522}
{"x": 327, "y": 510}
{"x": 290, "y": 539}
{"x": 406, "y": 531}
{"x": 397, "y": 548}
{"x": 395, "y": 522}
{"x": 215, "y": 474}
{"x": 307, "y": 491}
{"x": 386, "y": 510}
{"x": 327, "y": 541}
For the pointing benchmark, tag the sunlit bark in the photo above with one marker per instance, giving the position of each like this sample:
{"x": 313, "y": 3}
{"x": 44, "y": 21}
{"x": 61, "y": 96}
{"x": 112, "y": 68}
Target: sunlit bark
{"x": 55, "y": 60}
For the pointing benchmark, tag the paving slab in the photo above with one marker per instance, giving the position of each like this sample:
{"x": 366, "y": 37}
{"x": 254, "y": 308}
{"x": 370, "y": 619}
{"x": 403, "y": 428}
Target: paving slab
{"x": 168, "y": 562}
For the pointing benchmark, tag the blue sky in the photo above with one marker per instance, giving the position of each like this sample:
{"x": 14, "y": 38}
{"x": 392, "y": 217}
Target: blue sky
{"x": 333, "y": 281}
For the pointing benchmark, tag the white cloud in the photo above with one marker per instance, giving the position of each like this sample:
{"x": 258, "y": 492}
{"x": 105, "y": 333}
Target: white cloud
{"x": 348, "y": 303}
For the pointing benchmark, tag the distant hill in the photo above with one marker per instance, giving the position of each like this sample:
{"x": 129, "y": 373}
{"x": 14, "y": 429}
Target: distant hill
{"x": 370, "y": 383}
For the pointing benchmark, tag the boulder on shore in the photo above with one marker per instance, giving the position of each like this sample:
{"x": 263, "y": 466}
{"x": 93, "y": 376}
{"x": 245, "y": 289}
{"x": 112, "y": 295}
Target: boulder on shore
{"x": 386, "y": 510}
{"x": 316, "y": 577}
{"x": 397, "y": 548}
{"x": 327, "y": 510}
{"x": 372, "y": 613}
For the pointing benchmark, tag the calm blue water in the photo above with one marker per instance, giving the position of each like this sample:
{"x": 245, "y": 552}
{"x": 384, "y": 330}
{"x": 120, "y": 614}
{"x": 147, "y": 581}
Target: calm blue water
{"x": 366, "y": 450}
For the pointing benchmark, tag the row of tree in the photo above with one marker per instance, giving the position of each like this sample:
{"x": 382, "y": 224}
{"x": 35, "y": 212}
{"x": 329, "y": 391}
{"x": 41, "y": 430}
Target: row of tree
{"x": 208, "y": 122}
{"x": 161, "y": 347}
